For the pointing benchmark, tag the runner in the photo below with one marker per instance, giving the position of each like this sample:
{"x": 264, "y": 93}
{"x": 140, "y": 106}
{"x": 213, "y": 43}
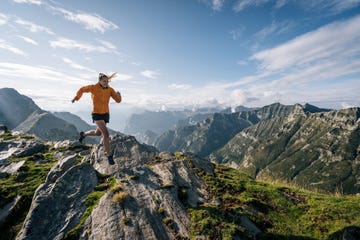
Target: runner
{"x": 100, "y": 94}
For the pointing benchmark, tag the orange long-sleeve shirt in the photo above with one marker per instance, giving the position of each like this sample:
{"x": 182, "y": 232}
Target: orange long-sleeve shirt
{"x": 100, "y": 97}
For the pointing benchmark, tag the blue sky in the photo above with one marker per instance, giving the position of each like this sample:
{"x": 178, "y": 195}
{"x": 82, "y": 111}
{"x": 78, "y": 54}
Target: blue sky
{"x": 177, "y": 53}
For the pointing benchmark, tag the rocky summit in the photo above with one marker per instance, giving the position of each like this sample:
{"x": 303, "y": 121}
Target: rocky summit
{"x": 67, "y": 190}
{"x": 84, "y": 197}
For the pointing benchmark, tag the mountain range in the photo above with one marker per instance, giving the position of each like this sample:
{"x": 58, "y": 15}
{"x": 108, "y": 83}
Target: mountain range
{"x": 148, "y": 125}
{"x": 304, "y": 145}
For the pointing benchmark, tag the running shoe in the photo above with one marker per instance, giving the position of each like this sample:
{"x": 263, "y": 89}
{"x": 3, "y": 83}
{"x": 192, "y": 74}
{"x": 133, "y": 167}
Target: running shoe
{"x": 82, "y": 136}
{"x": 111, "y": 160}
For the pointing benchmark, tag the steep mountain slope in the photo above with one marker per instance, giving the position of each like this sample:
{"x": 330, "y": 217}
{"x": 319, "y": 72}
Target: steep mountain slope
{"x": 207, "y": 135}
{"x": 20, "y": 113}
{"x": 75, "y": 120}
{"x": 48, "y": 127}
{"x": 152, "y": 195}
{"x": 318, "y": 150}
{"x": 212, "y": 133}
{"x": 158, "y": 122}
{"x": 14, "y": 107}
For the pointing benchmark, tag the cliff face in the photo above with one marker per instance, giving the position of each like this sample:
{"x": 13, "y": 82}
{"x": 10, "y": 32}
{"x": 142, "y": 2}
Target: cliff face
{"x": 318, "y": 150}
{"x": 141, "y": 197}
{"x": 20, "y": 113}
{"x": 151, "y": 183}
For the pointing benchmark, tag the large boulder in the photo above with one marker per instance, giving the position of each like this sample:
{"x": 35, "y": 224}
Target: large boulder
{"x": 58, "y": 204}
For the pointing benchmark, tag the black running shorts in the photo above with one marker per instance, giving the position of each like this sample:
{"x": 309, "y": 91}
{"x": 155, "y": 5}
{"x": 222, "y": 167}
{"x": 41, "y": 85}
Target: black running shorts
{"x": 97, "y": 117}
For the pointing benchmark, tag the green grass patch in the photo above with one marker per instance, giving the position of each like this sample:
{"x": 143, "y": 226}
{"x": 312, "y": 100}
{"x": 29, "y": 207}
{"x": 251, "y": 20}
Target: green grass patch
{"x": 279, "y": 211}
{"x": 23, "y": 184}
{"x": 105, "y": 183}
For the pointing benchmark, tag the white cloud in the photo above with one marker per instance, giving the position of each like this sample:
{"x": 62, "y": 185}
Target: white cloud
{"x": 238, "y": 97}
{"x": 21, "y": 71}
{"x": 32, "y": 27}
{"x": 324, "y": 71}
{"x": 76, "y": 65}
{"x": 274, "y": 29}
{"x": 280, "y": 3}
{"x": 238, "y": 32}
{"x": 124, "y": 76}
{"x": 91, "y": 22}
{"x": 36, "y": 2}
{"x": 217, "y": 4}
{"x": 150, "y": 74}
{"x": 303, "y": 69}
{"x": 337, "y": 40}
{"x": 108, "y": 44}
{"x": 3, "y": 19}
{"x": 328, "y": 6}
{"x": 176, "y": 86}
{"x": 136, "y": 63}
{"x": 51, "y": 89}
{"x": 73, "y": 44}
{"x": 240, "y": 5}
{"x": 7, "y": 46}
{"x": 29, "y": 40}
{"x": 342, "y": 5}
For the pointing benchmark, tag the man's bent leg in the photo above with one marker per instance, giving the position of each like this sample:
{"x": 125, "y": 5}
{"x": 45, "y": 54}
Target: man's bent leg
{"x": 96, "y": 132}
{"x": 106, "y": 138}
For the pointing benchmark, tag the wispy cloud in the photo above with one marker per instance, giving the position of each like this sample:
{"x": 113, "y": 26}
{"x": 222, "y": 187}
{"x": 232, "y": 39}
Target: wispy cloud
{"x": 150, "y": 74}
{"x": 274, "y": 29}
{"x": 217, "y": 4}
{"x": 333, "y": 6}
{"x": 176, "y": 86}
{"x": 124, "y": 77}
{"x": 36, "y": 2}
{"x": 9, "y": 47}
{"x": 302, "y": 69}
{"x": 237, "y": 32}
{"x": 29, "y": 40}
{"x": 91, "y": 22}
{"x": 32, "y": 27}
{"x": 75, "y": 65}
{"x": 341, "y": 5}
{"x": 73, "y": 44}
{"x": 305, "y": 67}
{"x": 240, "y": 5}
{"x": 19, "y": 71}
{"x": 3, "y": 19}
{"x": 337, "y": 40}
{"x": 108, "y": 44}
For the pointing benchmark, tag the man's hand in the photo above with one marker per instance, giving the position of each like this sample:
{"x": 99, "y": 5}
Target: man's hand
{"x": 118, "y": 93}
